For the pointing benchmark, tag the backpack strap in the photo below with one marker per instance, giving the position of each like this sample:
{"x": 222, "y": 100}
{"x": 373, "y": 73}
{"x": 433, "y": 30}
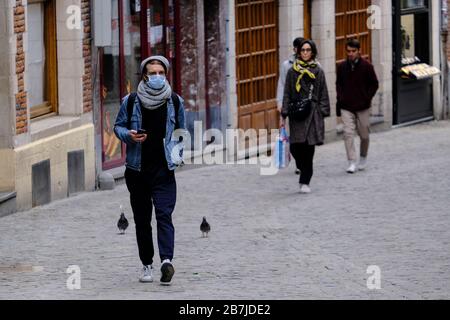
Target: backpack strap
{"x": 176, "y": 103}
{"x": 130, "y": 104}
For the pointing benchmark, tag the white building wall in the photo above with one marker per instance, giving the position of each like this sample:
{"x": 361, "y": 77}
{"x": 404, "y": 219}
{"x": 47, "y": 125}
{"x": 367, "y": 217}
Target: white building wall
{"x": 382, "y": 53}
{"x": 436, "y": 58}
{"x": 290, "y": 26}
{"x": 323, "y": 33}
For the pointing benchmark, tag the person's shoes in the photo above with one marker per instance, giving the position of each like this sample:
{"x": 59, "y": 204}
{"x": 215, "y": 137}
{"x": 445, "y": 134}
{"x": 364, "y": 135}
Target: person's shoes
{"x": 362, "y": 163}
{"x": 297, "y": 171}
{"x": 305, "y": 189}
{"x": 147, "y": 274}
{"x": 352, "y": 167}
{"x": 167, "y": 271}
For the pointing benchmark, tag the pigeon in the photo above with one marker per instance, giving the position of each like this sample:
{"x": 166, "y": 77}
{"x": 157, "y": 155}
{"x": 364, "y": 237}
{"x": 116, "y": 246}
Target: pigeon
{"x": 122, "y": 224}
{"x": 205, "y": 227}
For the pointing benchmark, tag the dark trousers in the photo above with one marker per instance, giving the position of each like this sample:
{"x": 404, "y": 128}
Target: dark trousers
{"x": 155, "y": 187}
{"x": 303, "y": 154}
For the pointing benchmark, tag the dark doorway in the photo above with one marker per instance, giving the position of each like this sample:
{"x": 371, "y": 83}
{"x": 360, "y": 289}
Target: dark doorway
{"x": 413, "y": 98}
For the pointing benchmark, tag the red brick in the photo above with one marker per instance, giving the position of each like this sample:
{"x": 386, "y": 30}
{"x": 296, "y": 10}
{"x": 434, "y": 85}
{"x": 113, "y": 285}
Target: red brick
{"x": 19, "y": 10}
{"x": 19, "y": 29}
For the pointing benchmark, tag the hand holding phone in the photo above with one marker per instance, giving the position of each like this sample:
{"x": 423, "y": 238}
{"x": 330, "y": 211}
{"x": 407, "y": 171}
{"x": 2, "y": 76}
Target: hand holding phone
{"x": 138, "y": 136}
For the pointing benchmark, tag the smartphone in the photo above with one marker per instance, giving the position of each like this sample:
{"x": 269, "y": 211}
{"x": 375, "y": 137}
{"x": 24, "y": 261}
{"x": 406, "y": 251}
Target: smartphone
{"x": 141, "y": 131}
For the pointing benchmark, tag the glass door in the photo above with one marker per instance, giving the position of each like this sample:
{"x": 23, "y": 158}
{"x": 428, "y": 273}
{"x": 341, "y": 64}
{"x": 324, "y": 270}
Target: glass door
{"x": 161, "y": 33}
{"x": 132, "y": 46}
{"x": 140, "y": 28}
{"x": 120, "y": 73}
{"x": 112, "y": 151}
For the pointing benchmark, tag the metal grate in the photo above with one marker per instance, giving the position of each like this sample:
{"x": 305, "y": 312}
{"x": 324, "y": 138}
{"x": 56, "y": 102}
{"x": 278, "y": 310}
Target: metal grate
{"x": 75, "y": 170}
{"x": 41, "y": 183}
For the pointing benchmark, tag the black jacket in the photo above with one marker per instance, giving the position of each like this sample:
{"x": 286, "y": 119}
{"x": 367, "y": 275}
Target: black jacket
{"x": 355, "y": 87}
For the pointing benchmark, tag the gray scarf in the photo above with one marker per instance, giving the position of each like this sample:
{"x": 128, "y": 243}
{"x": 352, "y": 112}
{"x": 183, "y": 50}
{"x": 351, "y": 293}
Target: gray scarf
{"x": 153, "y": 99}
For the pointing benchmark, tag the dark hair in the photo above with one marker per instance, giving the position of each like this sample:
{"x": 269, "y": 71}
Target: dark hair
{"x": 313, "y": 48}
{"x": 353, "y": 43}
{"x": 297, "y": 42}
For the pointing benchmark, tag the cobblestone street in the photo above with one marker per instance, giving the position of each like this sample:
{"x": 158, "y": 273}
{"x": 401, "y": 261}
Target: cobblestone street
{"x": 267, "y": 240}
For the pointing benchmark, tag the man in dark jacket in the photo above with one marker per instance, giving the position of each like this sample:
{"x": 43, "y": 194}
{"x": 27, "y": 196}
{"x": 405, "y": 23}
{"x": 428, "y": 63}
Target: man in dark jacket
{"x": 356, "y": 86}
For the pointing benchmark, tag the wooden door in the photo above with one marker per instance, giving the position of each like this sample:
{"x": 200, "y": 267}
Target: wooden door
{"x": 307, "y": 19}
{"x": 257, "y": 63}
{"x": 351, "y": 22}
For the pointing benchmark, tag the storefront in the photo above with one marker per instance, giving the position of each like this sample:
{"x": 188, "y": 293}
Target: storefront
{"x": 413, "y": 73}
{"x": 139, "y": 28}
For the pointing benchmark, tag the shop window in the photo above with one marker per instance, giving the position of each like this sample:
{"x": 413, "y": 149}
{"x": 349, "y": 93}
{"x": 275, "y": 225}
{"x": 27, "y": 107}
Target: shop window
{"x": 161, "y": 32}
{"x": 408, "y": 36}
{"x": 132, "y": 44}
{"x": 413, "y": 4}
{"x": 120, "y": 71}
{"x": 111, "y": 93}
{"x": 41, "y": 58}
{"x": 414, "y": 33}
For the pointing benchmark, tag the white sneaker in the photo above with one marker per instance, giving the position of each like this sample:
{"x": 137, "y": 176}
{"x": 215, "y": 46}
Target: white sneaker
{"x": 147, "y": 274}
{"x": 352, "y": 167}
{"x": 305, "y": 188}
{"x": 362, "y": 163}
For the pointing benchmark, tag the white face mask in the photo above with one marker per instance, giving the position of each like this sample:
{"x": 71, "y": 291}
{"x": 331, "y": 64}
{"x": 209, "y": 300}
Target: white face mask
{"x": 156, "y": 81}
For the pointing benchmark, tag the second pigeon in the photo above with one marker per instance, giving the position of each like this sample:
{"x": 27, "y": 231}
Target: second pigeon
{"x": 122, "y": 224}
{"x": 205, "y": 228}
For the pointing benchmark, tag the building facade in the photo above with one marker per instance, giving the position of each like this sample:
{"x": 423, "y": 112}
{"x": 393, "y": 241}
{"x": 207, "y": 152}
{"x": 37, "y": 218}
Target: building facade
{"x": 47, "y": 134}
{"x": 66, "y": 65}
{"x": 191, "y": 34}
{"x": 226, "y": 56}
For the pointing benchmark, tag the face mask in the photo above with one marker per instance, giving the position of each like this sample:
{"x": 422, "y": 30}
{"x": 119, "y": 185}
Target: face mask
{"x": 156, "y": 81}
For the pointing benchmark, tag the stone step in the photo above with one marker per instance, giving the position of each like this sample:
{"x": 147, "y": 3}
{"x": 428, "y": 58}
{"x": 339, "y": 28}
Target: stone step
{"x": 7, "y": 203}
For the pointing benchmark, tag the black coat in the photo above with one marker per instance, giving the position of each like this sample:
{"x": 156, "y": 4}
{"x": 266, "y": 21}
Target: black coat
{"x": 312, "y": 129}
{"x": 355, "y": 87}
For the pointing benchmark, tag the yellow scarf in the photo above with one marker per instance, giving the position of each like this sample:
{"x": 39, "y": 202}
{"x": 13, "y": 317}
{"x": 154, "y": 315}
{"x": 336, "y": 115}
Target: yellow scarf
{"x": 302, "y": 68}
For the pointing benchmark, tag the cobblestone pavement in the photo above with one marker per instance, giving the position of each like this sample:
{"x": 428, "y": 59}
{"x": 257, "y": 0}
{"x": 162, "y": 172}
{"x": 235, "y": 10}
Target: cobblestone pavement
{"x": 267, "y": 240}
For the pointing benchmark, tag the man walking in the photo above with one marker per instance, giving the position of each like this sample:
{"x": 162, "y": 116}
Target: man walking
{"x": 356, "y": 86}
{"x": 287, "y": 64}
{"x": 146, "y": 122}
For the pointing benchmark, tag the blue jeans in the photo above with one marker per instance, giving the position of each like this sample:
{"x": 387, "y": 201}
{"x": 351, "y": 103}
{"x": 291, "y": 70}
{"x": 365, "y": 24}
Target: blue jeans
{"x": 154, "y": 187}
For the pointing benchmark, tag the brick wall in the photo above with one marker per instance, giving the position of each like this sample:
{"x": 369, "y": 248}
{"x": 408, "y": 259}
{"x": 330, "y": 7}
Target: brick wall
{"x": 87, "y": 56}
{"x": 21, "y": 96}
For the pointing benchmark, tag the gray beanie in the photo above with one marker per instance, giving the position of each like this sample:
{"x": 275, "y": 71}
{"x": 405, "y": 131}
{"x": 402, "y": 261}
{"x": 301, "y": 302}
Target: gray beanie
{"x": 163, "y": 60}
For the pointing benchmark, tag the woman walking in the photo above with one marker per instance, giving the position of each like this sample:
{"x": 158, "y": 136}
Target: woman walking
{"x": 305, "y": 82}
